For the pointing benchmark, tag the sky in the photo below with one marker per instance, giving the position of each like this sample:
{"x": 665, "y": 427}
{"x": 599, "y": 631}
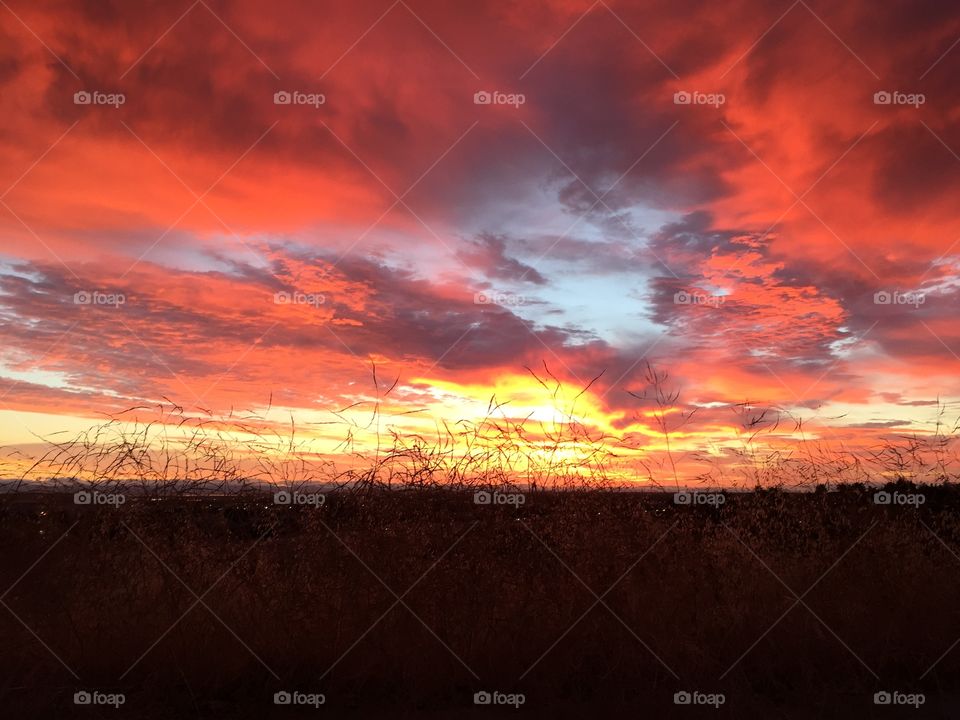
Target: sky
{"x": 289, "y": 209}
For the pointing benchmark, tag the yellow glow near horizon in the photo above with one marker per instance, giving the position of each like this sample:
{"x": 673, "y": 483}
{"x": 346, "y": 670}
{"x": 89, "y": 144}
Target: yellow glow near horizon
{"x": 560, "y": 430}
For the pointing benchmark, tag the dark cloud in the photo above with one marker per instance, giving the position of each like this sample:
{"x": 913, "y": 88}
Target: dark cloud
{"x": 488, "y": 253}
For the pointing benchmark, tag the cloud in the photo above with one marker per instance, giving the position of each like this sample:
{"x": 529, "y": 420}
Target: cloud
{"x": 786, "y": 208}
{"x": 488, "y": 254}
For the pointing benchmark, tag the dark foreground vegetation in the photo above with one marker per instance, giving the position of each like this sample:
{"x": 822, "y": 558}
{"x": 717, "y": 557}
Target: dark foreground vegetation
{"x": 408, "y": 603}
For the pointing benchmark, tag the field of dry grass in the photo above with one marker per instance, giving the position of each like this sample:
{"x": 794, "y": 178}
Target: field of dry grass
{"x": 408, "y": 603}
{"x": 493, "y": 570}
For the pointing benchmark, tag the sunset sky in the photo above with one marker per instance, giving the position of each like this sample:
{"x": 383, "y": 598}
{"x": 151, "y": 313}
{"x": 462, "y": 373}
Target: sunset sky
{"x": 243, "y": 205}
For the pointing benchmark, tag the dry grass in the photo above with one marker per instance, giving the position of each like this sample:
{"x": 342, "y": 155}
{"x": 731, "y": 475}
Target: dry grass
{"x": 165, "y": 450}
{"x": 300, "y": 586}
{"x": 306, "y": 598}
